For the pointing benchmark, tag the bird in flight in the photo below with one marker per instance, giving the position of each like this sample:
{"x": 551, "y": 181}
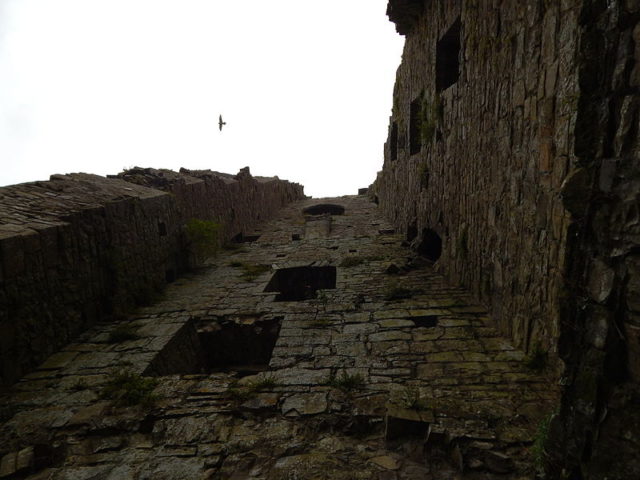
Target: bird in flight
{"x": 221, "y": 123}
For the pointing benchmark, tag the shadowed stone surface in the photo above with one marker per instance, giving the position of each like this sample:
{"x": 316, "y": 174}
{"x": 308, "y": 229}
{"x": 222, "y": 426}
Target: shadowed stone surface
{"x": 81, "y": 248}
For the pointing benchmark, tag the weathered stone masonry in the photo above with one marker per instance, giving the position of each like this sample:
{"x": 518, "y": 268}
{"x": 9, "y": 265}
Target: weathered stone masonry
{"x": 79, "y": 247}
{"x": 492, "y": 150}
{"x": 524, "y": 162}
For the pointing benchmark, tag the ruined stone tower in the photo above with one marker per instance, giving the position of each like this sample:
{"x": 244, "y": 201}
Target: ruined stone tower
{"x": 474, "y": 315}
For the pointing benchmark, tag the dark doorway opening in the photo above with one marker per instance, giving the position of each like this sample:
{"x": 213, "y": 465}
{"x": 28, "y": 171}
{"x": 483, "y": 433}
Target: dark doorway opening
{"x": 431, "y": 245}
{"x": 301, "y": 283}
{"x": 448, "y": 58}
{"x": 323, "y": 208}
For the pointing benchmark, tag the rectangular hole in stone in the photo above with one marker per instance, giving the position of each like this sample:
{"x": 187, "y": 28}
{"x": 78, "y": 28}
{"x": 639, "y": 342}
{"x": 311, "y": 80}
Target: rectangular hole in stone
{"x": 242, "y": 345}
{"x": 393, "y": 142}
{"x": 301, "y": 283}
{"x": 425, "y": 321}
{"x": 396, "y": 428}
{"x": 448, "y": 58}
{"x": 281, "y": 255}
{"x": 387, "y": 231}
{"x": 295, "y": 237}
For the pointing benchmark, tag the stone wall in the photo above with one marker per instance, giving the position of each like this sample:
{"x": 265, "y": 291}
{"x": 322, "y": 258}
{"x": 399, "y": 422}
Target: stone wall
{"x": 597, "y": 432}
{"x": 482, "y": 161}
{"x": 521, "y": 157}
{"x": 80, "y": 248}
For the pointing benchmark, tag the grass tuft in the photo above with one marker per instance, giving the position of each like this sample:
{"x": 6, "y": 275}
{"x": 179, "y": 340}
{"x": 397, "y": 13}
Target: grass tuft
{"x": 203, "y": 236}
{"x": 538, "y": 449}
{"x": 410, "y": 398}
{"x": 241, "y": 393}
{"x": 251, "y": 271}
{"x": 126, "y": 388}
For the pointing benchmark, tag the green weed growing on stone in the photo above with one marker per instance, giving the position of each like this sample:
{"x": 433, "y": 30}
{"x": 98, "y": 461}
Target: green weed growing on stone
{"x": 241, "y": 393}
{"x": 203, "y": 236}
{"x": 538, "y": 449}
{"x": 410, "y": 398}
{"x": 123, "y": 333}
{"x": 346, "y": 382}
{"x": 265, "y": 383}
{"x": 537, "y": 359}
{"x": 251, "y": 271}
{"x": 126, "y": 388}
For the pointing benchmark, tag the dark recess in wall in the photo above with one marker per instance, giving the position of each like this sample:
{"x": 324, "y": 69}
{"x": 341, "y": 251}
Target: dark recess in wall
{"x": 393, "y": 141}
{"x": 245, "y": 348}
{"x": 448, "y": 57}
{"x": 431, "y": 245}
{"x": 301, "y": 283}
{"x": 323, "y": 208}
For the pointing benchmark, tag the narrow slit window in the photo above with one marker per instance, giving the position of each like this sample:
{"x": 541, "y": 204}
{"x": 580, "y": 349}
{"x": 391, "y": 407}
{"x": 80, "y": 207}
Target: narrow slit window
{"x": 393, "y": 142}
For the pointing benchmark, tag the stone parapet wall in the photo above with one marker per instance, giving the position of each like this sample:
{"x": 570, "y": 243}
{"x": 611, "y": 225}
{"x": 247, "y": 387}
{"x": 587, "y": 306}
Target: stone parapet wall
{"x": 493, "y": 151}
{"x": 237, "y": 202}
{"x": 80, "y": 248}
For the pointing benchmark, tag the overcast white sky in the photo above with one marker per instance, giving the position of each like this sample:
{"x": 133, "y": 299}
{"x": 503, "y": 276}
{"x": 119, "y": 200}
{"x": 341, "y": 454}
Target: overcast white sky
{"x": 97, "y": 85}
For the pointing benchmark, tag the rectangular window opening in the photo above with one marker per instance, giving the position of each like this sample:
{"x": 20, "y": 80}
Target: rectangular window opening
{"x": 301, "y": 283}
{"x": 242, "y": 344}
{"x": 448, "y": 57}
{"x": 393, "y": 142}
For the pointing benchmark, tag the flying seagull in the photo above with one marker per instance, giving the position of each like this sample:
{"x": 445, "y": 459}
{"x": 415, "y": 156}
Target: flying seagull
{"x": 221, "y": 123}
